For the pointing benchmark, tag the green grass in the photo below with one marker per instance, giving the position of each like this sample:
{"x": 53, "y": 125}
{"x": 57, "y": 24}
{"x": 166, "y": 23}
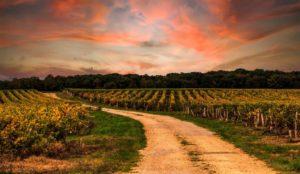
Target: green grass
{"x": 282, "y": 157}
{"x": 111, "y": 146}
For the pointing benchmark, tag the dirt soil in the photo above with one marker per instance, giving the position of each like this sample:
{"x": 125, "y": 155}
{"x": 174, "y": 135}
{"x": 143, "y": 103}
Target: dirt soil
{"x": 52, "y": 95}
{"x": 36, "y": 164}
{"x": 180, "y": 147}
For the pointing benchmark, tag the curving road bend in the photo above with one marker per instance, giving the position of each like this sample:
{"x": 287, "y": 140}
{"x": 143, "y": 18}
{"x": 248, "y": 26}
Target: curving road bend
{"x": 180, "y": 147}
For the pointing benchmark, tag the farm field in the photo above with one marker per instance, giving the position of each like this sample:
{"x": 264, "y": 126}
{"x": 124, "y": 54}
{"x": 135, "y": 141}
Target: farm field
{"x": 67, "y": 135}
{"x": 43, "y": 134}
{"x": 274, "y": 110}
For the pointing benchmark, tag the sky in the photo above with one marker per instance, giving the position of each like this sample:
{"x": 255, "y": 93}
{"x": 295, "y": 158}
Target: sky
{"x": 68, "y": 37}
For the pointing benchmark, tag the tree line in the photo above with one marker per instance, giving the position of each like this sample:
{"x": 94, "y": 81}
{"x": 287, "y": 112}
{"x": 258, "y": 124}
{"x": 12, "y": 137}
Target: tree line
{"x": 239, "y": 78}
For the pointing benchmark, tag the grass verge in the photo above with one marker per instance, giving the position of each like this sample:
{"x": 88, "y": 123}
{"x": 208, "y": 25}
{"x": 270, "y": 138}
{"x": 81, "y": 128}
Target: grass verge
{"x": 116, "y": 139}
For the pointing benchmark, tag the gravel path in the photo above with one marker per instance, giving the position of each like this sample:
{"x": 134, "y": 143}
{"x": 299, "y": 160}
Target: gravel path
{"x": 180, "y": 147}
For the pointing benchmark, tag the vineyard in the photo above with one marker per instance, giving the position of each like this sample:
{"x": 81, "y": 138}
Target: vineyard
{"x": 276, "y": 111}
{"x": 32, "y": 123}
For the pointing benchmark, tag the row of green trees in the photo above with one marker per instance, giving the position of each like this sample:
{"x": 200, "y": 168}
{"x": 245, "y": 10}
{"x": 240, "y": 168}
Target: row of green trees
{"x": 239, "y": 78}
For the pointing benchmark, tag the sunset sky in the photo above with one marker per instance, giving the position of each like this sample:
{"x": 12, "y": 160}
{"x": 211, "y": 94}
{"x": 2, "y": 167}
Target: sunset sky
{"x": 67, "y": 37}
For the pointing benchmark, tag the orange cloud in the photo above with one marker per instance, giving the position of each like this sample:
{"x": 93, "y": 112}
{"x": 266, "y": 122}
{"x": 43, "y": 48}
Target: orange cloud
{"x": 73, "y": 19}
{"x": 114, "y": 38}
{"x": 180, "y": 25}
{"x": 245, "y": 21}
{"x": 4, "y": 42}
{"x": 188, "y": 33}
{"x": 77, "y": 10}
{"x": 105, "y": 37}
{"x": 154, "y": 10}
{"x": 139, "y": 64}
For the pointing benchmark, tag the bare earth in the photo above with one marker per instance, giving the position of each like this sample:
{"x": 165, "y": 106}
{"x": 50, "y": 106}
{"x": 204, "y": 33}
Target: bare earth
{"x": 36, "y": 164}
{"x": 180, "y": 147}
{"x": 52, "y": 95}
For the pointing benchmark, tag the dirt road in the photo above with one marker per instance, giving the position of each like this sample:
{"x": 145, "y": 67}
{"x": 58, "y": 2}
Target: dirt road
{"x": 179, "y": 147}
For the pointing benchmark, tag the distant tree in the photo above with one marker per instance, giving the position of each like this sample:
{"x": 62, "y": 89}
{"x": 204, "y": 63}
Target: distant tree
{"x": 110, "y": 85}
{"x": 97, "y": 83}
{"x": 50, "y": 83}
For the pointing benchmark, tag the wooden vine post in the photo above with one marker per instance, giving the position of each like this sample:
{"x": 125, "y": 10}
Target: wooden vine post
{"x": 296, "y": 126}
{"x": 262, "y": 120}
